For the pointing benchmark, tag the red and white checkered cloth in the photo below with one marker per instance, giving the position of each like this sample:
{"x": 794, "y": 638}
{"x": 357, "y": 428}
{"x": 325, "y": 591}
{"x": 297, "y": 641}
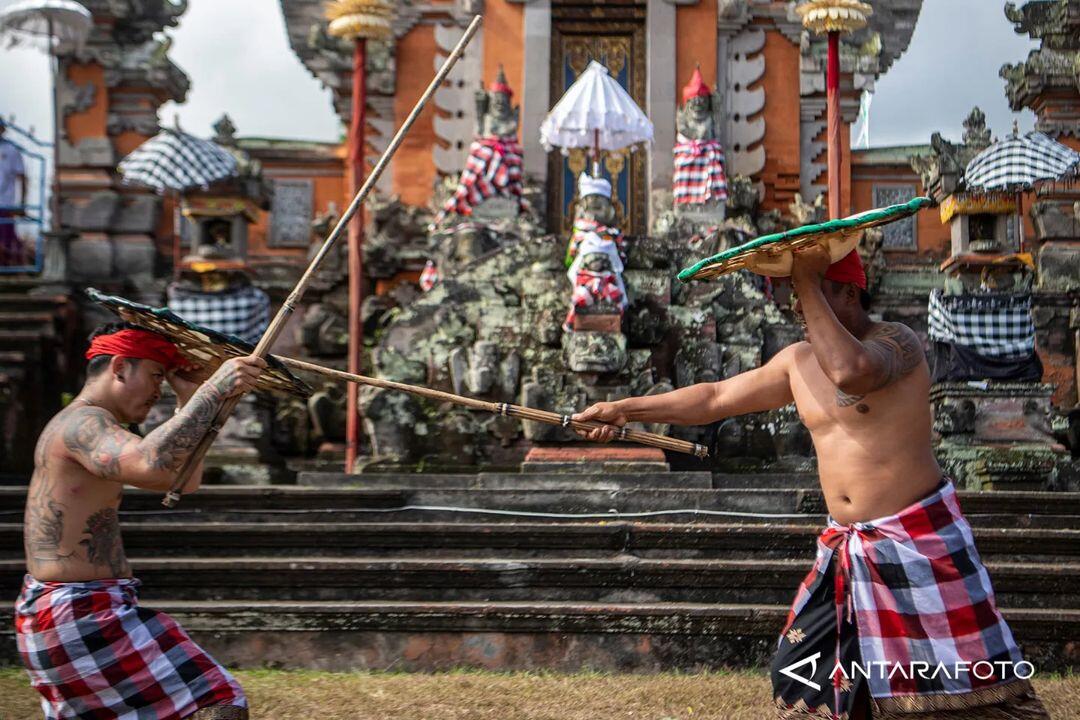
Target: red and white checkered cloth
{"x": 93, "y": 652}
{"x": 591, "y": 288}
{"x": 493, "y": 169}
{"x": 584, "y": 227}
{"x": 919, "y": 593}
{"x": 429, "y": 277}
{"x": 699, "y": 171}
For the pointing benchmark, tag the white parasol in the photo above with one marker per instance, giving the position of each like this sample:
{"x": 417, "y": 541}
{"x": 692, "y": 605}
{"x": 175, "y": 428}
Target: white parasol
{"x": 56, "y": 26}
{"x": 595, "y": 112}
{"x": 60, "y": 26}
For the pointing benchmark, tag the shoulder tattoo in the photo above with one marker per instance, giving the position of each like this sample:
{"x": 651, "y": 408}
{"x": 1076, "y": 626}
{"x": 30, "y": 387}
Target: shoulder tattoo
{"x": 898, "y": 350}
{"x": 96, "y": 440}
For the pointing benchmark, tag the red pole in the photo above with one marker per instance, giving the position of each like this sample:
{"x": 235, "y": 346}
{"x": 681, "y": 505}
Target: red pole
{"x": 835, "y": 139}
{"x": 356, "y": 237}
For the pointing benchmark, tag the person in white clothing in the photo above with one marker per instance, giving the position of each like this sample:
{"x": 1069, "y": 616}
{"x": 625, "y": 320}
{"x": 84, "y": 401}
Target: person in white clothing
{"x": 12, "y": 177}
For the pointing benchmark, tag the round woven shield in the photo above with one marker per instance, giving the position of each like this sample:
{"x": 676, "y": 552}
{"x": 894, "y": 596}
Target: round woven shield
{"x": 772, "y": 254}
{"x": 203, "y": 346}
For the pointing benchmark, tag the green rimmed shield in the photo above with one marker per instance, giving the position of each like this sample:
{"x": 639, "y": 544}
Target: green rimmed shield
{"x": 771, "y": 255}
{"x": 201, "y": 345}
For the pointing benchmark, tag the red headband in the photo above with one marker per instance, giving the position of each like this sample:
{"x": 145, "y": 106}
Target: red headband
{"x": 848, "y": 270}
{"x": 140, "y": 344}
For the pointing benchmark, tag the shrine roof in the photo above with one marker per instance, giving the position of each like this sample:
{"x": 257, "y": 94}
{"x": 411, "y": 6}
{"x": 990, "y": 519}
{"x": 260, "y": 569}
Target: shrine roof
{"x": 889, "y": 155}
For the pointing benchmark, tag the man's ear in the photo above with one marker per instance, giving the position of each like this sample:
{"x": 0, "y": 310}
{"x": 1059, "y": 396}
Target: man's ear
{"x": 852, "y": 294}
{"x": 118, "y": 366}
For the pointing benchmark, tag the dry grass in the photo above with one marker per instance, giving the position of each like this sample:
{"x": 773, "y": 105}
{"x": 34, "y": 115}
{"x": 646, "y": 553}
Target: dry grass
{"x": 279, "y": 695}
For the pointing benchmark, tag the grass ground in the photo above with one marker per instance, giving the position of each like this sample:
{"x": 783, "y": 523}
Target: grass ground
{"x": 280, "y": 695}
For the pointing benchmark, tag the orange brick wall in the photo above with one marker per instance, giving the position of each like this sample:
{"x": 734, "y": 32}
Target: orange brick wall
{"x": 414, "y": 164}
{"x": 933, "y": 238}
{"x": 504, "y": 42}
{"x": 695, "y": 26}
{"x": 92, "y": 121}
{"x": 327, "y": 188}
{"x": 781, "y": 111}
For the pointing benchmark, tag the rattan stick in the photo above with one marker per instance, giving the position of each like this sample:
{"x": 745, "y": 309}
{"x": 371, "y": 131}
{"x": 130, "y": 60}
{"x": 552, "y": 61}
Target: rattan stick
{"x": 516, "y": 411}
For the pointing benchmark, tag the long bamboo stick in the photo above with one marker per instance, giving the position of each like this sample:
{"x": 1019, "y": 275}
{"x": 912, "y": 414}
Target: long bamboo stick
{"x": 278, "y": 324}
{"x": 506, "y": 409}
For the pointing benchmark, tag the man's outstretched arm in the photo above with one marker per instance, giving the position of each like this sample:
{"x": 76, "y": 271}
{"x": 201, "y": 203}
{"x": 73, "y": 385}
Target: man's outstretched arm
{"x": 765, "y": 388}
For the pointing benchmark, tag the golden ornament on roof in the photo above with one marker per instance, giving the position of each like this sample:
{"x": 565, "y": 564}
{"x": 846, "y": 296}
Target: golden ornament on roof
{"x": 825, "y": 16}
{"x": 360, "y": 19}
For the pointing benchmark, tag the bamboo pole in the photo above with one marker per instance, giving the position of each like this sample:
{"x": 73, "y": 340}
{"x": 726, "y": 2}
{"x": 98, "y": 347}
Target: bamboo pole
{"x": 278, "y": 323}
{"x": 506, "y": 409}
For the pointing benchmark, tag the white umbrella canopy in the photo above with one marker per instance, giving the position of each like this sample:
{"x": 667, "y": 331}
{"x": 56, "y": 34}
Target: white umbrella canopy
{"x": 56, "y": 25}
{"x": 595, "y": 112}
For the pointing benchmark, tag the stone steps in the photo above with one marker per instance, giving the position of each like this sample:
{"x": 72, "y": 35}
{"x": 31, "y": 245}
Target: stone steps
{"x": 277, "y": 503}
{"x": 344, "y": 577}
{"x": 548, "y": 481}
{"x": 560, "y": 636}
{"x": 521, "y": 540}
{"x": 612, "y": 579}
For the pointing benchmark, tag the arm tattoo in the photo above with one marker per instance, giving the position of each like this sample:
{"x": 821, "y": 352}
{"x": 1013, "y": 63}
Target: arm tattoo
{"x": 167, "y": 447}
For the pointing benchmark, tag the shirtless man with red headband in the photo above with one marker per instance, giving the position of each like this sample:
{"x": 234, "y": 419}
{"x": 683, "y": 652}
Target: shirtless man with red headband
{"x": 897, "y": 617}
{"x": 90, "y": 649}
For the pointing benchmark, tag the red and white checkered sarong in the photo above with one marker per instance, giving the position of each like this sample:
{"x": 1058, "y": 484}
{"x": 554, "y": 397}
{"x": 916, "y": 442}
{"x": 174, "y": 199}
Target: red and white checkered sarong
{"x": 699, "y": 172}
{"x": 93, "y": 652}
{"x": 919, "y": 593}
{"x": 493, "y": 169}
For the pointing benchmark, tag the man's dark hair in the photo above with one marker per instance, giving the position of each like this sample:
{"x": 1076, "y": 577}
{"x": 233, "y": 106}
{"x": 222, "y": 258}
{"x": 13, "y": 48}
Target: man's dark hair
{"x": 100, "y": 363}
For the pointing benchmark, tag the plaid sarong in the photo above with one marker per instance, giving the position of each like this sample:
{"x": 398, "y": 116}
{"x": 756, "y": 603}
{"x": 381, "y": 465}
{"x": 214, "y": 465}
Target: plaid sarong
{"x": 993, "y": 325}
{"x": 699, "y": 171}
{"x": 244, "y": 312}
{"x": 93, "y": 652}
{"x": 918, "y": 592}
{"x": 493, "y": 169}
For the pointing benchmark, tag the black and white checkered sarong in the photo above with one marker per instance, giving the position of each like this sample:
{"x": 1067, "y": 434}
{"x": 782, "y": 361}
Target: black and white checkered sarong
{"x": 993, "y": 325}
{"x": 244, "y": 312}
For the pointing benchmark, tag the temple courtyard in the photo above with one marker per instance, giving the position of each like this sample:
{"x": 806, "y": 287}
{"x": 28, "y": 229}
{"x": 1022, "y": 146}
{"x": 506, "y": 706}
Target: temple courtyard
{"x": 285, "y": 695}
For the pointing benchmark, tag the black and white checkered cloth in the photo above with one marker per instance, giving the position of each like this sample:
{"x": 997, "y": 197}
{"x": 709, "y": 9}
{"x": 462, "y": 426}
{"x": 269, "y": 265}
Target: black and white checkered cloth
{"x": 174, "y": 160}
{"x": 244, "y": 312}
{"x": 993, "y": 325}
{"x": 1019, "y": 162}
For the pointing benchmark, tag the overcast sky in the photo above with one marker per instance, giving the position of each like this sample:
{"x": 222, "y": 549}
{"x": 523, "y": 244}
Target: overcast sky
{"x": 239, "y": 61}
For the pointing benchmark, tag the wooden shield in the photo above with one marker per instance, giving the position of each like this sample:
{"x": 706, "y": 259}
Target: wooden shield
{"x": 203, "y": 346}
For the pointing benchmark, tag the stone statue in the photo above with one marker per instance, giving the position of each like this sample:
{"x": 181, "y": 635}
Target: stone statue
{"x": 596, "y": 275}
{"x": 490, "y": 185}
{"x": 496, "y": 115}
{"x": 594, "y": 214}
{"x": 699, "y": 181}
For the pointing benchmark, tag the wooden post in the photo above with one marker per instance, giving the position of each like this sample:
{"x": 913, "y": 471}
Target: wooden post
{"x": 356, "y": 239}
{"x": 835, "y": 127}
